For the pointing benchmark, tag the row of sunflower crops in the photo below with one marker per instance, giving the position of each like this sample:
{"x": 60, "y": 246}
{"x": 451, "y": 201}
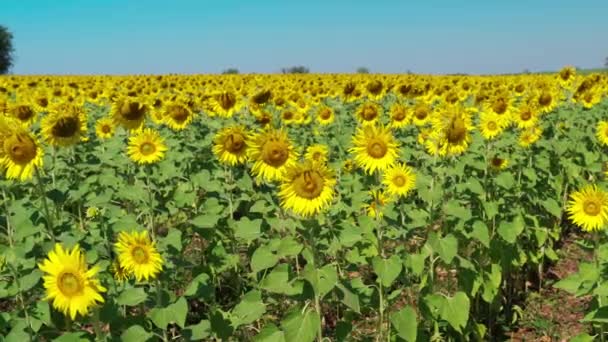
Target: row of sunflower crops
{"x": 295, "y": 208}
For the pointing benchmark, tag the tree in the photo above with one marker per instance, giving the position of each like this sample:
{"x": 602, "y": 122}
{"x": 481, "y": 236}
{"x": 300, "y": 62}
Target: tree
{"x": 295, "y": 70}
{"x": 230, "y": 71}
{"x": 362, "y": 70}
{"x": 6, "y": 50}
{"x": 606, "y": 63}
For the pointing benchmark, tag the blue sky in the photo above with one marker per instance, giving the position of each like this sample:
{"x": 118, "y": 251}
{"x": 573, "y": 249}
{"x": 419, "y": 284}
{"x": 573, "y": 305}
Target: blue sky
{"x": 187, "y": 36}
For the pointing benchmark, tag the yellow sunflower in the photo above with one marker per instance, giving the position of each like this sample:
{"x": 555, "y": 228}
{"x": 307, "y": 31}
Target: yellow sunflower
{"x": 104, "y": 128}
{"x": 529, "y": 136}
{"x": 230, "y": 145}
{"x": 146, "y": 147}
{"x": 399, "y": 180}
{"x": 325, "y": 115}
{"x": 317, "y": 153}
{"x": 129, "y": 113}
{"x": 451, "y": 131}
{"x": 64, "y": 125}
{"x": 588, "y": 208}
{"x": 378, "y": 200}
{"x": 20, "y": 153}
{"x": 525, "y": 116}
{"x": 307, "y": 188}
{"x": 137, "y": 254}
{"x": 272, "y": 152}
{"x": 421, "y": 113}
{"x": 177, "y": 115}
{"x": 497, "y": 163}
{"x": 368, "y": 113}
{"x": 25, "y": 113}
{"x": 490, "y": 125}
{"x": 225, "y": 104}
{"x": 399, "y": 116}
{"x": 374, "y": 148}
{"x": 120, "y": 273}
{"x": 69, "y": 284}
{"x": 602, "y": 132}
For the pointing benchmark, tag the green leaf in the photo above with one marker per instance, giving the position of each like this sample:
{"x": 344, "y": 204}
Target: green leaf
{"x": 475, "y": 186}
{"x": 446, "y": 247}
{"x": 455, "y": 209}
{"x": 505, "y": 180}
{"x": 199, "y": 331}
{"x": 247, "y": 230}
{"x": 387, "y": 269}
{"x": 405, "y": 323}
{"x": 135, "y": 333}
{"x": 491, "y": 209}
{"x": 278, "y": 281}
{"x": 205, "y": 221}
{"x": 552, "y": 207}
{"x": 173, "y": 313}
{"x": 30, "y": 280}
{"x": 250, "y": 309}
{"x": 584, "y": 337}
{"x": 200, "y": 287}
{"x": 509, "y": 231}
{"x": 322, "y": 279}
{"x": 131, "y": 297}
{"x": 456, "y": 311}
{"x": 289, "y": 247}
{"x": 174, "y": 239}
{"x": 263, "y": 258}
{"x": 72, "y": 337}
{"x": 480, "y": 232}
{"x": 350, "y": 298}
{"x": 301, "y": 327}
{"x": 270, "y": 333}
{"x": 598, "y": 316}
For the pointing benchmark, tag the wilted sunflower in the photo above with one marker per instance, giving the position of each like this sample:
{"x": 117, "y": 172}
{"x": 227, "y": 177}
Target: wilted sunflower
{"x": 602, "y": 132}
{"x": 146, "y": 147}
{"x": 374, "y": 148}
{"x": 498, "y": 163}
{"x": 230, "y": 145}
{"x": 325, "y": 115}
{"x": 65, "y": 125}
{"x": 272, "y": 152}
{"x": 588, "y": 208}
{"x": 317, "y": 153}
{"x": 129, "y": 113}
{"x": 307, "y": 188}
{"x": 20, "y": 153}
{"x": 137, "y": 254}
{"x": 69, "y": 284}
{"x": 490, "y": 125}
{"x": 177, "y": 115}
{"x": 399, "y": 180}
{"x": 368, "y": 113}
{"x": 104, "y": 128}
{"x": 529, "y": 136}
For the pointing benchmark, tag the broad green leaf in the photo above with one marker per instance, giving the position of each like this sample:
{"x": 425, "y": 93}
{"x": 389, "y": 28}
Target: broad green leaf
{"x": 510, "y": 230}
{"x": 584, "y": 337}
{"x": 29, "y": 281}
{"x": 131, "y": 297}
{"x": 263, "y": 258}
{"x": 480, "y": 232}
{"x": 174, "y": 239}
{"x": 505, "y": 180}
{"x": 597, "y": 316}
{"x": 250, "y": 309}
{"x": 446, "y": 247}
{"x": 387, "y": 269}
{"x": 456, "y": 311}
{"x": 301, "y": 326}
{"x": 350, "y": 298}
{"x": 552, "y": 207}
{"x": 405, "y": 323}
{"x": 205, "y": 221}
{"x": 200, "y": 287}
{"x": 270, "y": 333}
{"x": 323, "y": 279}
{"x": 247, "y": 229}
{"x": 199, "y": 331}
{"x": 278, "y": 281}
{"x": 491, "y": 209}
{"x": 135, "y": 333}
{"x": 173, "y": 313}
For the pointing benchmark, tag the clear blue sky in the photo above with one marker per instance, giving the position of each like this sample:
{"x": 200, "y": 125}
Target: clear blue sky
{"x": 188, "y": 36}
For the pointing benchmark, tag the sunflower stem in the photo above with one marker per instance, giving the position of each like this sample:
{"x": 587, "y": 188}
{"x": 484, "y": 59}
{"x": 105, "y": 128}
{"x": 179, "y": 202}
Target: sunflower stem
{"x": 151, "y": 204}
{"x": 99, "y": 336}
{"x": 596, "y": 257}
{"x": 47, "y": 215}
{"x": 159, "y": 297}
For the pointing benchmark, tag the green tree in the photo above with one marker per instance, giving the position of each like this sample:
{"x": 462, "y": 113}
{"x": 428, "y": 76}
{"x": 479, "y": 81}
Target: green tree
{"x": 230, "y": 71}
{"x": 6, "y": 50}
{"x": 295, "y": 70}
{"x": 362, "y": 70}
{"x": 606, "y": 63}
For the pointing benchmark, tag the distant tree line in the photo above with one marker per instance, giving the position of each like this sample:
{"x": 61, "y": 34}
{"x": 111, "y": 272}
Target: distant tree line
{"x": 6, "y": 50}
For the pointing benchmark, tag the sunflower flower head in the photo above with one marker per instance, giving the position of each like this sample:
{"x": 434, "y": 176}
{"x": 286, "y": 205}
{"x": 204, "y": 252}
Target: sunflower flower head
{"x": 588, "y": 208}
{"x": 138, "y": 256}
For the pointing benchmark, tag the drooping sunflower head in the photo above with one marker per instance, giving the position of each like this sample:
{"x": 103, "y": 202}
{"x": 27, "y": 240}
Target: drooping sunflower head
{"x": 65, "y": 125}
{"x": 588, "y": 208}
{"x": 307, "y": 188}
{"x": 375, "y": 148}
{"x": 20, "y": 152}
{"x": 104, "y": 128}
{"x": 602, "y": 132}
{"x": 272, "y": 151}
{"x": 72, "y": 287}
{"x": 129, "y": 113}
{"x": 231, "y": 144}
{"x": 399, "y": 180}
{"x": 317, "y": 153}
{"x": 177, "y": 115}
{"x": 146, "y": 147}
{"x": 138, "y": 255}
{"x": 368, "y": 113}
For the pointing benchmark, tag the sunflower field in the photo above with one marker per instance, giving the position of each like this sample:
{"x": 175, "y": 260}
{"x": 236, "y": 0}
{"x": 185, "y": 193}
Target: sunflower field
{"x": 296, "y": 207}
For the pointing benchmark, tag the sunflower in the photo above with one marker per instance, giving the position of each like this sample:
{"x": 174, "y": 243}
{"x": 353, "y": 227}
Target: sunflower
{"x": 307, "y": 188}
{"x": 325, "y": 115}
{"x": 545, "y": 99}
{"x": 177, "y": 115}
{"x": 129, "y": 113}
{"x": 490, "y": 125}
{"x": 25, "y": 113}
{"x": 65, "y": 125}
{"x": 225, "y": 104}
{"x": 588, "y": 208}
{"x": 525, "y": 116}
{"x": 272, "y": 152}
{"x": 498, "y": 163}
{"x": 230, "y": 145}
{"x": 421, "y": 114}
{"x": 529, "y": 136}
{"x": 602, "y": 132}
{"x": 378, "y": 200}
{"x": 590, "y": 98}
{"x": 451, "y": 131}
{"x": 317, "y": 153}
{"x": 137, "y": 255}
{"x": 368, "y": 113}
{"x": 146, "y": 147}
{"x": 399, "y": 180}
{"x": 399, "y": 117}
{"x": 567, "y": 75}
{"x": 501, "y": 106}
{"x": 104, "y": 128}
{"x": 374, "y": 148}
{"x": 69, "y": 284}
{"x": 20, "y": 153}
{"x": 120, "y": 273}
